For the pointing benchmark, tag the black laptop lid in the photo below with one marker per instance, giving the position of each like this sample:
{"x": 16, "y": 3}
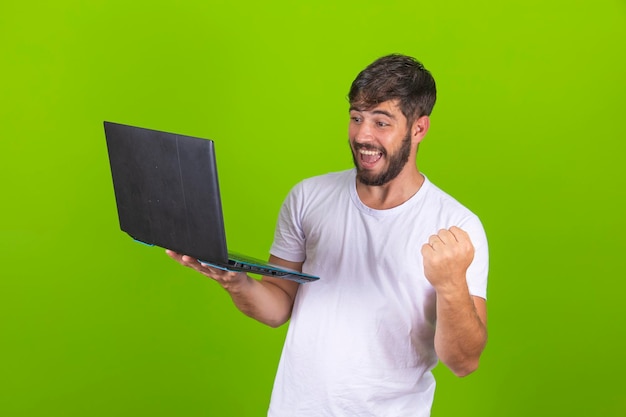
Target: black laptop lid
{"x": 167, "y": 190}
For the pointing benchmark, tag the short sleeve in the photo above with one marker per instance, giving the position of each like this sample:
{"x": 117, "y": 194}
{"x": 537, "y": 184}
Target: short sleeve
{"x": 289, "y": 238}
{"x": 478, "y": 270}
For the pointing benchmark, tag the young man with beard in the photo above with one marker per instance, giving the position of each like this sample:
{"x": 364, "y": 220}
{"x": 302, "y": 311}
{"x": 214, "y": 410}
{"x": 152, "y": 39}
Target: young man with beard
{"x": 403, "y": 267}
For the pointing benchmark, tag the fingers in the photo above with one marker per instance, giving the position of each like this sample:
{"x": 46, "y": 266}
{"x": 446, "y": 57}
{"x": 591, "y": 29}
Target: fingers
{"x": 441, "y": 239}
{"x": 453, "y": 243}
{"x": 190, "y": 262}
{"x": 427, "y": 249}
{"x": 459, "y": 234}
{"x": 217, "y": 274}
{"x": 447, "y": 255}
{"x": 183, "y": 259}
{"x": 206, "y": 269}
{"x": 449, "y": 236}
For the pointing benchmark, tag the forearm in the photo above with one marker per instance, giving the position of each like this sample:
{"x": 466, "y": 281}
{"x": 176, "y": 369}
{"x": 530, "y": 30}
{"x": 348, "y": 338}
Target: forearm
{"x": 261, "y": 300}
{"x": 269, "y": 301}
{"x": 461, "y": 332}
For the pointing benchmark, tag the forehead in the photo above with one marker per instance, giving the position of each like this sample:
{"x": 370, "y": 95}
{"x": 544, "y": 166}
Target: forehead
{"x": 389, "y": 107}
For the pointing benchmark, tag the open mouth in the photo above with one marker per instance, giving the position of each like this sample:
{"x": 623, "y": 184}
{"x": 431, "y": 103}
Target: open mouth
{"x": 370, "y": 156}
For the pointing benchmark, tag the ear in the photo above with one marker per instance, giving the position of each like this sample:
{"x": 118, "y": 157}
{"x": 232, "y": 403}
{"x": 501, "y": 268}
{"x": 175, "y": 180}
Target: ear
{"x": 419, "y": 129}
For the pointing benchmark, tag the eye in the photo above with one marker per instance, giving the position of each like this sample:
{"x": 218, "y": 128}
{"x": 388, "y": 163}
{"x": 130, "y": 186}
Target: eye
{"x": 356, "y": 119}
{"x": 380, "y": 123}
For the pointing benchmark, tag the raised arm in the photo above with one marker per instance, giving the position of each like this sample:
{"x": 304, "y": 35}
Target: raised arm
{"x": 461, "y": 332}
{"x": 269, "y": 300}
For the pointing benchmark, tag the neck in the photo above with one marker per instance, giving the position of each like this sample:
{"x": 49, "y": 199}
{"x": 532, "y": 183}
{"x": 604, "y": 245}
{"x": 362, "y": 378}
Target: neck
{"x": 392, "y": 194}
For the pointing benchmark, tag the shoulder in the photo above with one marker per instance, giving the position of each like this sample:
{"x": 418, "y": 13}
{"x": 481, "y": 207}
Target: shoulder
{"x": 444, "y": 201}
{"x": 320, "y": 191}
{"x": 448, "y": 211}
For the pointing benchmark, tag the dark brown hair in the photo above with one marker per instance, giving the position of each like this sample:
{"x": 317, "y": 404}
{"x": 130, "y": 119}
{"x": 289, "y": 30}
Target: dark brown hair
{"x": 395, "y": 77}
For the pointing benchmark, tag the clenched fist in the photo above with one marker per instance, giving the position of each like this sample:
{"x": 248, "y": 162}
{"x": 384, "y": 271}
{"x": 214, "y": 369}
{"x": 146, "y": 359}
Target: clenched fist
{"x": 447, "y": 255}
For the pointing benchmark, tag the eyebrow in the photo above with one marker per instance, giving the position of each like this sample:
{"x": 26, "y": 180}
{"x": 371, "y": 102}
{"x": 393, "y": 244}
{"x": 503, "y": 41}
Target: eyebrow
{"x": 376, "y": 111}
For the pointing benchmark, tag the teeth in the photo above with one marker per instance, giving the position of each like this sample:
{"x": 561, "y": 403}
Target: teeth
{"x": 366, "y": 152}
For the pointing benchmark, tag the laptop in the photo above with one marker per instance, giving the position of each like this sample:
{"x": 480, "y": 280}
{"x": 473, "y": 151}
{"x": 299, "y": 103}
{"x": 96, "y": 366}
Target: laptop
{"x": 167, "y": 195}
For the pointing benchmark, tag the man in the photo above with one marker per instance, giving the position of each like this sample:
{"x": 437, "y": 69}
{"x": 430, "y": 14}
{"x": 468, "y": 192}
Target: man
{"x": 403, "y": 267}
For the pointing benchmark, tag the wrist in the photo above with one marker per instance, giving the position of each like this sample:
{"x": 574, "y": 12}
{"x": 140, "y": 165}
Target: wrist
{"x": 452, "y": 289}
{"x": 237, "y": 283}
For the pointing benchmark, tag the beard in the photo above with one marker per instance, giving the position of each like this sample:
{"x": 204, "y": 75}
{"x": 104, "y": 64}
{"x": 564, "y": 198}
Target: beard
{"x": 397, "y": 161}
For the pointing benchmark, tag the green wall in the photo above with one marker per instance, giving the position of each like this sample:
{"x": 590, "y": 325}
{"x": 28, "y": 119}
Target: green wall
{"x": 528, "y": 132}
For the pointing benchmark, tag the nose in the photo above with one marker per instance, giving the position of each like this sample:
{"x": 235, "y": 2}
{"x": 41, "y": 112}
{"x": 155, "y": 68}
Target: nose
{"x": 361, "y": 132}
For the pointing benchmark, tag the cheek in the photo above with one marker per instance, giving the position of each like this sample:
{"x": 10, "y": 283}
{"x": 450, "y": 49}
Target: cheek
{"x": 352, "y": 131}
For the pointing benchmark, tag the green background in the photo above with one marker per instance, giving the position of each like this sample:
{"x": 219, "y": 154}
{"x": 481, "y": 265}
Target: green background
{"x": 528, "y": 132}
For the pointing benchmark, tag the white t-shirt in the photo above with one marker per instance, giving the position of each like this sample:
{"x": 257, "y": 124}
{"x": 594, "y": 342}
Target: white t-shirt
{"x": 361, "y": 339}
